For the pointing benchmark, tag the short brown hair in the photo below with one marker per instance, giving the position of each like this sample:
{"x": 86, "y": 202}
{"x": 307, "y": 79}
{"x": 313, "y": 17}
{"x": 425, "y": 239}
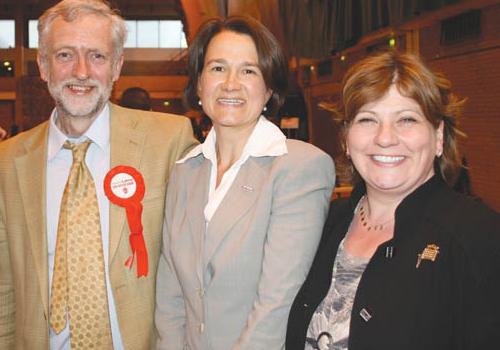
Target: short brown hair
{"x": 272, "y": 61}
{"x": 371, "y": 78}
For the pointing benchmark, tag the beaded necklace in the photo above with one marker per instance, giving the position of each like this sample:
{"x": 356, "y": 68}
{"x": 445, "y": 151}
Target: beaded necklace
{"x": 364, "y": 219}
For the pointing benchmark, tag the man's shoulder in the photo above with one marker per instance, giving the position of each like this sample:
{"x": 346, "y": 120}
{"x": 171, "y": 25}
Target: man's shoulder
{"x": 23, "y": 140}
{"x": 166, "y": 119}
{"x": 149, "y": 118}
{"x": 162, "y": 131}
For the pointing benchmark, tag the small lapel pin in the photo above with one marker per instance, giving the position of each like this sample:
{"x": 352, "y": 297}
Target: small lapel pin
{"x": 429, "y": 253}
{"x": 365, "y": 314}
{"x": 247, "y": 188}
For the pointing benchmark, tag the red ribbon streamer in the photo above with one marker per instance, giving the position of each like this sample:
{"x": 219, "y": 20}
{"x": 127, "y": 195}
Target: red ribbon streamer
{"x": 136, "y": 238}
{"x": 133, "y": 209}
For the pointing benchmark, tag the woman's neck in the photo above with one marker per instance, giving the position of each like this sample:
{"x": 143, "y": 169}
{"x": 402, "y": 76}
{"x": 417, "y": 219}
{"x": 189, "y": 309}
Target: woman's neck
{"x": 229, "y": 147}
{"x": 380, "y": 206}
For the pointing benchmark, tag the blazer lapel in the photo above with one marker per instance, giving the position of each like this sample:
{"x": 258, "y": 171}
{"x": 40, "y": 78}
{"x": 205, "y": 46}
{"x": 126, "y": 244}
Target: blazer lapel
{"x": 197, "y": 200}
{"x": 127, "y": 143}
{"x": 32, "y": 189}
{"x": 238, "y": 200}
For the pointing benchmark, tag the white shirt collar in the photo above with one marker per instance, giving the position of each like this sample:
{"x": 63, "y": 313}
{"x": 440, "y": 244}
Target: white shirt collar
{"x": 98, "y": 132}
{"x": 266, "y": 140}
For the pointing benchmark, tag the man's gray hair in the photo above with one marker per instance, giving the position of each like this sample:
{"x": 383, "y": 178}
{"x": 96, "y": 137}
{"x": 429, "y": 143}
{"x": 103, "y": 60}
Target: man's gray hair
{"x": 70, "y": 10}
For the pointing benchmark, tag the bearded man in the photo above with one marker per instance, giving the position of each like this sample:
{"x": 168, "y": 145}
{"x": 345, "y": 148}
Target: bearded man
{"x": 70, "y": 275}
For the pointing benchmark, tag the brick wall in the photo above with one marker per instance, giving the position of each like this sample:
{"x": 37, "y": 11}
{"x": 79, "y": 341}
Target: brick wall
{"x": 473, "y": 66}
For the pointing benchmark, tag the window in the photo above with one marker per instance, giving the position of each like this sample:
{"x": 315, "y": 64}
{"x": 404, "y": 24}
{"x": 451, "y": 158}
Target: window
{"x": 172, "y": 34}
{"x": 32, "y": 33}
{"x": 156, "y": 34}
{"x": 132, "y": 34}
{"x": 147, "y": 34}
{"x": 141, "y": 34}
{"x": 7, "y": 33}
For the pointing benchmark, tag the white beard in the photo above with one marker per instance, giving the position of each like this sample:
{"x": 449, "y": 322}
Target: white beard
{"x": 80, "y": 106}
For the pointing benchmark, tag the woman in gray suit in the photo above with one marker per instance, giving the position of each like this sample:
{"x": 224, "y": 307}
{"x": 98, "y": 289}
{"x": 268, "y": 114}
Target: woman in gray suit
{"x": 245, "y": 209}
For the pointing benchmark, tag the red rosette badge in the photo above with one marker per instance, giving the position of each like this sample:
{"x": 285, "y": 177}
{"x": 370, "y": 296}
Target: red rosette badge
{"x": 124, "y": 186}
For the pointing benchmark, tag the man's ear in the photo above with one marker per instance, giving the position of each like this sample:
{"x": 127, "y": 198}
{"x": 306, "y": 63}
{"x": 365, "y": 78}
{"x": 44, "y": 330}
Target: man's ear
{"x": 117, "y": 68}
{"x": 42, "y": 66}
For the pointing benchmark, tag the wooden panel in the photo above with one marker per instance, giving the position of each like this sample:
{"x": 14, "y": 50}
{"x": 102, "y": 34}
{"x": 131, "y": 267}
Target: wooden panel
{"x": 7, "y": 115}
{"x": 7, "y": 84}
{"x": 37, "y": 102}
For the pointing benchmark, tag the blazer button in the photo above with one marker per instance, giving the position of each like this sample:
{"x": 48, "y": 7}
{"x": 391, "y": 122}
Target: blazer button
{"x": 201, "y": 292}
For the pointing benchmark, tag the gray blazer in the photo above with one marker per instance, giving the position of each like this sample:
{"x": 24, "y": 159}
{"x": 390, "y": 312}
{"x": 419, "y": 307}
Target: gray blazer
{"x": 230, "y": 284}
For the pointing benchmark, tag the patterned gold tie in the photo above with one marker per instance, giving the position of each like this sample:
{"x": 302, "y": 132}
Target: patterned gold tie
{"x": 78, "y": 283}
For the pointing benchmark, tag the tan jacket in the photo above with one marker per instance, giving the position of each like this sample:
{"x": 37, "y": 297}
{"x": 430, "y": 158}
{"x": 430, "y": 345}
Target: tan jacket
{"x": 150, "y": 142}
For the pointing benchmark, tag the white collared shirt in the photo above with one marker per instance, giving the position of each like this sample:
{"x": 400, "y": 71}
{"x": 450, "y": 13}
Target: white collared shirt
{"x": 59, "y": 162}
{"x": 266, "y": 139}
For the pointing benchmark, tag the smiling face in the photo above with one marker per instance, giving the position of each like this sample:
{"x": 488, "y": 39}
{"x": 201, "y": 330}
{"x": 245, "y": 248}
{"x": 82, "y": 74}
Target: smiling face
{"x": 392, "y": 144}
{"x": 231, "y": 86}
{"x": 79, "y": 66}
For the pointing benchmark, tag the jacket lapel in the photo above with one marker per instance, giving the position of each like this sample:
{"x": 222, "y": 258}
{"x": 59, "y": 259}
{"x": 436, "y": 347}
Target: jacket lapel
{"x": 196, "y": 201}
{"x": 127, "y": 143}
{"x": 32, "y": 189}
{"x": 239, "y": 199}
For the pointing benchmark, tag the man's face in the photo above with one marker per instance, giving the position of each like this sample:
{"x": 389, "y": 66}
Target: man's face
{"x": 79, "y": 66}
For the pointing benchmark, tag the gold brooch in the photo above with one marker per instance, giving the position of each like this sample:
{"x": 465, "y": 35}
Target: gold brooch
{"x": 429, "y": 253}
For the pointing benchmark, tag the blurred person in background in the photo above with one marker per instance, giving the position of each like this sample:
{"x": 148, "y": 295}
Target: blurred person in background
{"x": 136, "y": 98}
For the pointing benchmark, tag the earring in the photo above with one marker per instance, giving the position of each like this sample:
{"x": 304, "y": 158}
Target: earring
{"x": 199, "y": 102}
{"x": 264, "y": 109}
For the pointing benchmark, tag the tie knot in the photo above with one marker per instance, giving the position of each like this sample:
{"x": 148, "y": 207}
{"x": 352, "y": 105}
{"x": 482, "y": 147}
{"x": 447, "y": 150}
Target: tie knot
{"x": 79, "y": 150}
